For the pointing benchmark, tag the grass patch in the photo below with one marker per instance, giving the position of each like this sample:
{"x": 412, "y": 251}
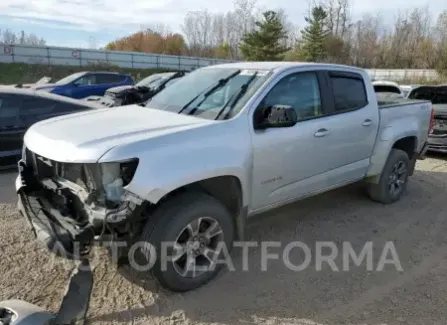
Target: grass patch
{"x": 14, "y": 73}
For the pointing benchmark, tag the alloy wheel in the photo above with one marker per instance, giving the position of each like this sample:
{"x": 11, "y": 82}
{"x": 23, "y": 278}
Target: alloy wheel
{"x": 397, "y": 178}
{"x": 196, "y": 247}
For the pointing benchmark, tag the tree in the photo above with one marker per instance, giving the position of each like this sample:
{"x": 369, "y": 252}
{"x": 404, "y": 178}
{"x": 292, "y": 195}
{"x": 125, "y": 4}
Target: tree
{"x": 315, "y": 35}
{"x": 337, "y": 20}
{"x": 9, "y": 37}
{"x": 266, "y": 42}
{"x": 223, "y": 51}
{"x": 149, "y": 41}
{"x": 441, "y": 65}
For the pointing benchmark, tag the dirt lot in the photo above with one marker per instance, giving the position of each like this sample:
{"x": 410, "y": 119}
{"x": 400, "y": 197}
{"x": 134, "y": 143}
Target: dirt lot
{"x": 417, "y": 225}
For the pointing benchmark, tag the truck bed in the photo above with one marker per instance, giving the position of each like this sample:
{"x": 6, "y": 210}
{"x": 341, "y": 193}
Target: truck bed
{"x": 396, "y": 102}
{"x": 413, "y": 114}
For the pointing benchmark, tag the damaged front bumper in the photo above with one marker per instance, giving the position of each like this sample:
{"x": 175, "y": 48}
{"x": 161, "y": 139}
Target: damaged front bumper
{"x": 438, "y": 143}
{"x": 437, "y": 140}
{"x": 63, "y": 233}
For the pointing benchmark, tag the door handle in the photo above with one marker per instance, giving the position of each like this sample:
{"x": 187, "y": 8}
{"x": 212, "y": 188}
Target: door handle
{"x": 367, "y": 122}
{"x": 321, "y": 133}
{"x": 9, "y": 127}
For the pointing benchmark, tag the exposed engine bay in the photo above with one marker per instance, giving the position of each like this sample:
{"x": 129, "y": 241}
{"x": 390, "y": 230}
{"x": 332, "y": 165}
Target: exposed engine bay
{"x": 127, "y": 96}
{"x": 72, "y": 204}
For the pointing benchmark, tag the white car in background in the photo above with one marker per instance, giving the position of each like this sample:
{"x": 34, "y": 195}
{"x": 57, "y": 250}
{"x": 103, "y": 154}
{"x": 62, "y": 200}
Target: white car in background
{"x": 406, "y": 89}
{"x": 386, "y": 90}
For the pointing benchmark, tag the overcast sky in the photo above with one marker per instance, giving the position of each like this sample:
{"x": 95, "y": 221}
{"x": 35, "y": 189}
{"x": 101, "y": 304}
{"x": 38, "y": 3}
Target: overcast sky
{"x": 73, "y": 22}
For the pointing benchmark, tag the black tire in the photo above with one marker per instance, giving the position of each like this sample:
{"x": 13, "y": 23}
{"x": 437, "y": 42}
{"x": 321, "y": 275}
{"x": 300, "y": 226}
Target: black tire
{"x": 382, "y": 191}
{"x": 165, "y": 224}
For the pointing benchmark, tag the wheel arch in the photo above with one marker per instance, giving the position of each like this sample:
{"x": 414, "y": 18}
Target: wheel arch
{"x": 406, "y": 142}
{"x": 227, "y": 189}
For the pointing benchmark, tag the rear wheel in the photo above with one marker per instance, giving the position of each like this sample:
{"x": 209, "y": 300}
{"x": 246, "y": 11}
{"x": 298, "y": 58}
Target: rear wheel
{"x": 197, "y": 230}
{"x": 393, "y": 180}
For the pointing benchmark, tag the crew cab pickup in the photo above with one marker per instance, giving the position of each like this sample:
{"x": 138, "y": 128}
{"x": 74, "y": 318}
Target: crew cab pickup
{"x": 219, "y": 146}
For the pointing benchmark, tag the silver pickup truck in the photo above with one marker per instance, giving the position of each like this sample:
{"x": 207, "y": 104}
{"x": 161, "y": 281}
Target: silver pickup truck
{"x": 219, "y": 146}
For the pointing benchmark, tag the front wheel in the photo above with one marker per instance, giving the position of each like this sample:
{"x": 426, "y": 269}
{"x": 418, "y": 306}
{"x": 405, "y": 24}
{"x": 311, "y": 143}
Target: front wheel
{"x": 197, "y": 230}
{"x": 393, "y": 180}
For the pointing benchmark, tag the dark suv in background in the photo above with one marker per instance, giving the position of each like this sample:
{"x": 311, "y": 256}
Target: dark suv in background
{"x": 138, "y": 93}
{"x": 437, "y": 94}
{"x": 20, "y": 108}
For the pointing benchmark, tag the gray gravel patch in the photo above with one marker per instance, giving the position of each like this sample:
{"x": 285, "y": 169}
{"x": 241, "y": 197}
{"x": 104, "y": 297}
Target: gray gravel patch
{"x": 417, "y": 225}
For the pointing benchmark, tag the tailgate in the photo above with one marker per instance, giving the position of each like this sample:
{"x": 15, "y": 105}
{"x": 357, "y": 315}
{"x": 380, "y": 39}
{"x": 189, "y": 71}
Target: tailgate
{"x": 411, "y": 117}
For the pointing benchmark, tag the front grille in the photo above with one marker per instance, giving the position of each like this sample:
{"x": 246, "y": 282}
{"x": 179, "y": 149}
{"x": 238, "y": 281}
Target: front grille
{"x": 440, "y": 125}
{"x": 437, "y": 146}
{"x": 42, "y": 167}
{"x": 47, "y": 168}
{"x": 438, "y": 132}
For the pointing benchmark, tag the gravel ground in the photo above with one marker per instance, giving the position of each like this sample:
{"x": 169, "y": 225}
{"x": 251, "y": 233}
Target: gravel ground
{"x": 417, "y": 226}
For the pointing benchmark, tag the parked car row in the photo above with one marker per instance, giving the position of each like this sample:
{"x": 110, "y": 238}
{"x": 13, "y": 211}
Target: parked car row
{"x": 436, "y": 94}
{"x": 23, "y": 105}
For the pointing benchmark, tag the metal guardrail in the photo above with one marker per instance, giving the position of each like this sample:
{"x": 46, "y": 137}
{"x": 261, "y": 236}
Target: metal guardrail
{"x": 52, "y": 55}
{"x": 403, "y": 74}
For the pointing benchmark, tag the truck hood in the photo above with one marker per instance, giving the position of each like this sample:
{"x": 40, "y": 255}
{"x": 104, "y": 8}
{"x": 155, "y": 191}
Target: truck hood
{"x": 119, "y": 89}
{"x": 87, "y": 136}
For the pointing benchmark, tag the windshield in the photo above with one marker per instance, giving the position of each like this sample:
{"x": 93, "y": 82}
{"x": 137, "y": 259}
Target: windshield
{"x": 386, "y": 89}
{"x": 155, "y": 80}
{"x": 207, "y": 92}
{"x": 43, "y": 80}
{"x": 437, "y": 95}
{"x": 70, "y": 78}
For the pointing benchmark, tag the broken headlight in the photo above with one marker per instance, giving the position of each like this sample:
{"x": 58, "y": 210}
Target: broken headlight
{"x": 116, "y": 175}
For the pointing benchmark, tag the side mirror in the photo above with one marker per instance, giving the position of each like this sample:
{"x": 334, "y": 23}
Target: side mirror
{"x": 278, "y": 116}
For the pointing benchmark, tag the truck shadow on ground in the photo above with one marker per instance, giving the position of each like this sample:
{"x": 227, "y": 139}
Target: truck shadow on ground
{"x": 437, "y": 155}
{"x": 311, "y": 296}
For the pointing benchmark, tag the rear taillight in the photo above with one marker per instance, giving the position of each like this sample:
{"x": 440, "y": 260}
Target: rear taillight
{"x": 432, "y": 121}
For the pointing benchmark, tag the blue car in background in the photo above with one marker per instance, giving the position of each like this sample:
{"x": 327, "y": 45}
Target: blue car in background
{"x": 83, "y": 84}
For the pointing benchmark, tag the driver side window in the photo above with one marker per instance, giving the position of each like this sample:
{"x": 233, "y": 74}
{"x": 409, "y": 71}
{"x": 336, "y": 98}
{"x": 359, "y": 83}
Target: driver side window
{"x": 300, "y": 91}
{"x": 86, "y": 80}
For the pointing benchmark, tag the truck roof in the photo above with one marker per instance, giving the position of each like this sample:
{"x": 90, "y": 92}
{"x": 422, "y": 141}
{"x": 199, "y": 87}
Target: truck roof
{"x": 280, "y": 65}
{"x": 105, "y": 72}
{"x": 385, "y": 83}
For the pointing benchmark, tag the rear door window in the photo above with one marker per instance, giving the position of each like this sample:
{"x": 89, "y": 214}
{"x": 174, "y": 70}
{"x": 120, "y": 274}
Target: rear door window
{"x": 9, "y": 110}
{"x": 349, "y": 91}
{"x": 34, "y": 109}
{"x": 65, "y": 108}
{"x": 87, "y": 80}
{"x": 109, "y": 78}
